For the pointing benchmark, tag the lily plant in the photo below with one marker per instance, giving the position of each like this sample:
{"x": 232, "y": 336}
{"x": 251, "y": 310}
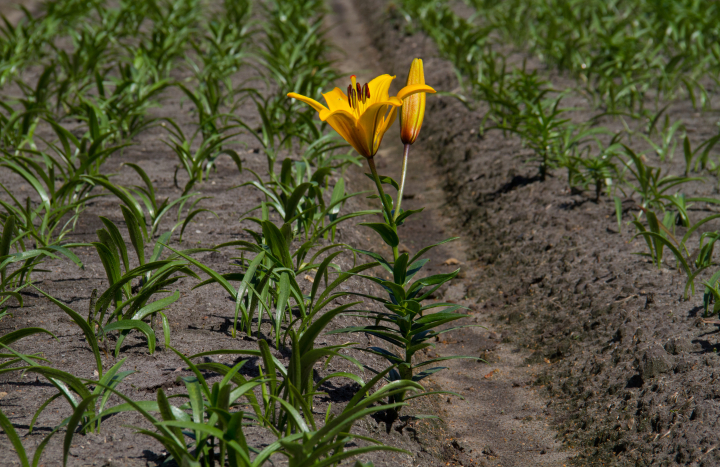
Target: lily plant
{"x": 362, "y": 116}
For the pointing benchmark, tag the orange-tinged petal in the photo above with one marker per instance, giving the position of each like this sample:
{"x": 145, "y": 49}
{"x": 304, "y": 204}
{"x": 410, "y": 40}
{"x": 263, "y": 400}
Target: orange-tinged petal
{"x": 379, "y": 89}
{"x": 372, "y": 120}
{"x": 413, "y": 108}
{"x": 325, "y": 114}
{"x": 390, "y": 118}
{"x": 337, "y": 100}
{"x": 414, "y": 89}
{"x": 346, "y": 126}
{"x": 311, "y": 102}
{"x": 384, "y": 126}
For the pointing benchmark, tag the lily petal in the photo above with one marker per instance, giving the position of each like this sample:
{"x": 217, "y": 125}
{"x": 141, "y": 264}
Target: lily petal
{"x": 414, "y": 89}
{"x": 325, "y": 114}
{"x": 386, "y": 123}
{"x": 311, "y": 102}
{"x": 345, "y": 124}
{"x": 337, "y": 100}
{"x": 379, "y": 88}
{"x": 371, "y": 120}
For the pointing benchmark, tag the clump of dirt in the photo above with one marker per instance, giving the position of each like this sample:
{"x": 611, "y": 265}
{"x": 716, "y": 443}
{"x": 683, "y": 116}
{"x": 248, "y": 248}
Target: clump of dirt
{"x": 626, "y": 366}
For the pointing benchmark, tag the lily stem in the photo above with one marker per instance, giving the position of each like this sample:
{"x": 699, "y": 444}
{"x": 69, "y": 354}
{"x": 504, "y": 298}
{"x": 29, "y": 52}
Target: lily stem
{"x": 388, "y": 208}
{"x": 406, "y": 152}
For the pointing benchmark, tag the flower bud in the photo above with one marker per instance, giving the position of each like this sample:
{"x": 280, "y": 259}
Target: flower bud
{"x": 413, "y": 108}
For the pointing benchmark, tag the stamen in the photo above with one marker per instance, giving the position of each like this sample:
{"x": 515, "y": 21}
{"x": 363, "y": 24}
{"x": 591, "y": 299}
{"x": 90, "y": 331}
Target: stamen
{"x": 357, "y": 94}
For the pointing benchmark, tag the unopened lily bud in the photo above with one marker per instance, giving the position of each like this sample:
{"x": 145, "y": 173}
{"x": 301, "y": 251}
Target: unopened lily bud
{"x": 413, "y": 108}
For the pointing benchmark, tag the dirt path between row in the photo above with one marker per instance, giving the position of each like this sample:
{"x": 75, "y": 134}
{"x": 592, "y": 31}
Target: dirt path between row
{"x": 502, "y": 419}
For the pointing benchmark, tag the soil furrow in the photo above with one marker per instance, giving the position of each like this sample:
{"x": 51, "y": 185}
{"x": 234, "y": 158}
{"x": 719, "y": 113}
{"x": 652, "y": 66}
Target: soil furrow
{"x": 502, "y": 420}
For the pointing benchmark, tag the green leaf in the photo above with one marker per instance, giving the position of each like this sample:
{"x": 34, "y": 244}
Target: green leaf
{"x": 337, "y": 194}
{"x": 78, "y": 414}
{"x": 7, "y": 235}
{"x": 308, "y": 337}
{"x": 415, "y": 267}
{"x": 163, "y": 268}
{"x": 245, "y": 285}
{"x": 65, "y": 252}
{"x": 397, "y": 291}
{"x": 117, "y": 240}
{"x": 166, "y": 411}
{"x": 83, "y": 324}
{"x": 129, "y": 324}
{"x": 156, "y": 306}
{"x": 377, "y": 256}
{"x": 124, "y": 196}
{"x": 166, "y": 329}
{"x": 32, "y": 180}
{"x": 10, "y": 432}
{"x": 277, "y": 243}
{"x": 436, "y": 279}
{"x": 13, "y": 336}
{"x": 282, "y": 301}
{"x": 136, "y": 237}
{"x": 209, "y": 271}
{"x": 112, "y": 268}
{"x": 405, "y": 214}
{"x": 321, "y": 270}
{"x": 144, "y": 176}
{"x": 385, "y": 180}
{"x": 386, "y": 232}
{"x": 428, "y": 248}
{"x": 60, "y": 376}
{"x": 159, "y": 245}
{"x": 400, "y": 269}
{"x": 294, "y": 199}
{"x": 192, "y": 384}
{"x": 618, "y": 212}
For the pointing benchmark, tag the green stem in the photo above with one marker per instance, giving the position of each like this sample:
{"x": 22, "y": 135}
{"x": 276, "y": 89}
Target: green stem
{"x": 406, "y": 152}
{"x": 381, "y": 192}
{"x": 388, "y": 208}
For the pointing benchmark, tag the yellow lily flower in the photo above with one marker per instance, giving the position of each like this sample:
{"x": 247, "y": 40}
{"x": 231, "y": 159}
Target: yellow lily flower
{"x": 364, "y": 114}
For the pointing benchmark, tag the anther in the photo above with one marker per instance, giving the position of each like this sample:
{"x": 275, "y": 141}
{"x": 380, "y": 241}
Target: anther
{"x": 367, "y": 91}
{"x": 349, "y": 95}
